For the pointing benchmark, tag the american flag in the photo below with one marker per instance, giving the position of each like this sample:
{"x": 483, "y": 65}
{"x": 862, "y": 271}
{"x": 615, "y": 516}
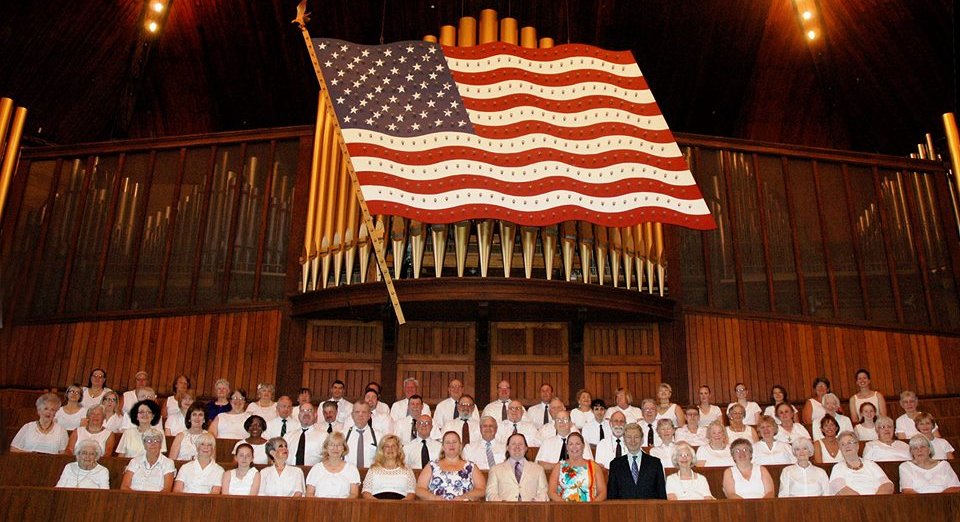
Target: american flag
{"x": 531, "y": 136}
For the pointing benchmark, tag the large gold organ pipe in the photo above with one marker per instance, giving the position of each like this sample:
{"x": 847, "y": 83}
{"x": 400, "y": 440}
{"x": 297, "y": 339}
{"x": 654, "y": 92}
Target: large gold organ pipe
{"x": 10, "y": 146}
{"x": 953, "y": 145}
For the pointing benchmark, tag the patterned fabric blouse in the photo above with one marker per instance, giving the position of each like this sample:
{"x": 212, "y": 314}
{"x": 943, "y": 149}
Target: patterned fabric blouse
{"x": 576, "y": 482}
{"x": 450, "y": 484}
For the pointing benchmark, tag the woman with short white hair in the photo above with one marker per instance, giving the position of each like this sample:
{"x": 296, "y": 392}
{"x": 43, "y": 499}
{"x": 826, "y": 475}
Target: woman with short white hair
{"x": 94, "y": 430}
{"x": 202, "y": 474}
{"x": 924, "y": 474}
{"x": 43, "y": 435}
{"x": 803, "y": 479}
{"x": 886, "y": 448}
{"x": 150, "y": 471}
{"x": 686, "y": 484}
{"x": 831, "y": 406}
{"x": 854, "y": 475}
{"x": 86, "y": 472}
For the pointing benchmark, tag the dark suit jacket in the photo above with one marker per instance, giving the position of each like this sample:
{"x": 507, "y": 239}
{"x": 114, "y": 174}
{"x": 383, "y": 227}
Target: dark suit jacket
{"x": 650, "y": 481}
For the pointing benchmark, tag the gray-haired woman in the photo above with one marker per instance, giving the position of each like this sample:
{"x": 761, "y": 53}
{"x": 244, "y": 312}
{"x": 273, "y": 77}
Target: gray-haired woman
{"x": 86, "y": 472}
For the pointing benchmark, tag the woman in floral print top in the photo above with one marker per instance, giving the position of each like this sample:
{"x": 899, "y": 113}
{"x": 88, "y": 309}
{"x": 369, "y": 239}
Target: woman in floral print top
{"x": 450, "y": 477}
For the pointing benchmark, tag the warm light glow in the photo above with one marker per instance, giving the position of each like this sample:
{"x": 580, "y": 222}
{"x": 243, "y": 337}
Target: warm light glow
{"x": 807, "y": 15}
{"x": 152, "y": 27}
{"x": 158, "y": 7}
{"x": 811, "y": 35}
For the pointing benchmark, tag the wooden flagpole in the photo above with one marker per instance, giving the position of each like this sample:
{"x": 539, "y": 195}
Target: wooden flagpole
{"x": 376, "y": 235}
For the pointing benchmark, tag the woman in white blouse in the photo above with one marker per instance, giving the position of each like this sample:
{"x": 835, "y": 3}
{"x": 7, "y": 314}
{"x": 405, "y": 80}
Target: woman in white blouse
{"x": 582, "y": 413}
{"x": 174, "y": 403}
{"x": 144, "y": 415}
{"x": 708, "y": 412}
{"x": 751, "y": 410}
{"x": 264, "y": 406}
{"x": 95, "y": 431}
{"x": 201, "y": 475}
{"x": 745, "y": 479}
{"x": 692, "y": 432}
{"x": 886, "y": 448}
{"x": 827, "y": 449}
{"x": 72, "y": 414}
{"x": 739, "y": 428}
{"x": 184, "y": 445}
{"x": 96, "y": 387}
{"x": 686, "y": 484}
{"x": 866, "y": 430}
{"x": 43, "y": 435}
{"x": 86, "y": 472}
{"x": 667, "y": 409}
{"x": 789, "y": 430}
{"x": 854, "y": 475}
{"x": 813, "y": 408}
{"x": 865, "y": 395}
{"x": 244, "y": 479}
{"x": 664, "y": 451}
{"x": 716, "y": 452}
{"x": 803, "y": 479}
{"x": 112, "y": 415}
{"x": 831, "y": 406}
{"x": 768, "y": 450}
{"x": 278, "y": 479}
{"x": 150, "y": 471}
{"x": 177, "y": 419}
{"x": 389, "y": 477}
{"x": 333, "y": 476}
{"x": 923, "y": 474}
{"x": 942, "y": 450}
{"x": 229, "y": 425}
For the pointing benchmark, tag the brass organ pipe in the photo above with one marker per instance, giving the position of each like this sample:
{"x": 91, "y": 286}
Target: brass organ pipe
{"x": 508, "y": 31}
{"x": 339, "y": 237}
{"x": 353, "y": 218}
{"x": 528, "y": 37}
{"x": 334, "y": 165}
{"x": 11, "y": 154}
{"x": 488, "y": 26}
{"x": 6, "y": 112}
{"x": 628, "y": 255}
{"x": 448, "y": 35}
{"x": 615, "y": 253}
{"x": 309, "y": 245}
{"x": 467, "y": 34}
{"x": 658, "y": 255}
{"x": 953, "y": 146}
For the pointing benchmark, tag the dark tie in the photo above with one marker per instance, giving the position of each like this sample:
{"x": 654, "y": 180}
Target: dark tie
{"x": 465, "y": 433}
{"x": 329, "y": 427}
{"x": 503, "y": 411}
{"x": 301, "y": 447}
{"x": 424, "y": 454}
{"x": 634, "y": 470}
{"x": 601, "y": 431}
{"x": 563, "y": 449}
{"x": 649, "y": 434}
{"x": 619, "y": 449}
{"x": 490, "y": 460}
{"x": 283, "y": 429}
{"x": 517, "y": 472}
{"x": 514, "y": 427}
{"x": 413, "y": 429}
{"x": 360, "y": 449}
{"x": 546, "y": 418}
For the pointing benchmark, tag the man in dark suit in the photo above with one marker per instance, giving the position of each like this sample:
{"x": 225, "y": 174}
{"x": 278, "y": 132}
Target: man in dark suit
{"x": 636, "y": 474}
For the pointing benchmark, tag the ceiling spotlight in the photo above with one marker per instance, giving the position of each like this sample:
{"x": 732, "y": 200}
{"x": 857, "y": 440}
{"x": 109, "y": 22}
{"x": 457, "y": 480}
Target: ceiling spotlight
{"x": 807, "y": 15}
{"x": 152, "y": 26}
{"x": 811, "y": 35}
{"x": 158, "y": 7}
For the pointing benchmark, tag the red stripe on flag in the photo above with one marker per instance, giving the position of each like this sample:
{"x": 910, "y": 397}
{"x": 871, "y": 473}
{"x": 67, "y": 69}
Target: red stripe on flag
{"x": 581, "y": 104}
{"x": 541, "y": 55}
{"x": 613, "y": 130}
{"x": 637, "y": 83}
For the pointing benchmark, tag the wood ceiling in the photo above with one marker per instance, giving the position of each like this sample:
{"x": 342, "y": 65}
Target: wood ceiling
{"x": 880, "y": 77}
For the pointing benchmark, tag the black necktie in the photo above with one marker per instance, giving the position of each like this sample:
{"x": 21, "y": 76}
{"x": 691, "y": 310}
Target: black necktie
{"x": 563, "y": 449}
{"x": 619, "y": 449}
{"x": 301, "y": 447}
{"x": 465, "y": 433}
{"x": 413, "y": 429}
{"x": 546, "y": 418}
{"x": 329, "y": 427}
{"x": 283, "y": 429}
{"x": 503, "y": 411}
{"x": 649, "y": 434}
{"x": 601, "y": 431}
{"x": 514, "y": 427}
{"x": 424, "y": 454}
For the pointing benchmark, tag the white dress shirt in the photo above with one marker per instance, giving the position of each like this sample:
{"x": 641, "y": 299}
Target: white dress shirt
{"x": 495, "y": 409}
{"x": 591, "y": 430}
{"x": 476, "y": 452}
{"x": 550, "y": 450}
{"x": 413, "y": 449}
{"x": 632, "y": 413}
{"x": 647, "y": 427}
{"x": 344, "y": 409}
{"x": 607, "y": 450}
{"x": 370, "y": 440}
{"x": 406, "y": 429}
{"x": 535, "y": 414}
{"x": 446, "y": 410}
{"x": 382, "y": 422}
{"x": 526, "y": 428}
{"x": 457, "y": 426}
{"x": 810, "y": 481}
{"x": 275, "y": 425}
{"x": 399, "y": 409}
{"x": 314, "y": 439}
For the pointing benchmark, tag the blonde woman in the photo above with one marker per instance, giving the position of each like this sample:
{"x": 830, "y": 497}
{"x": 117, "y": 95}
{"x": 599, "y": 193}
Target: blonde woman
{"x": 201, "y": 475}
{"x": 333, "y": 476}
{"x": 716, "y": 452}
{"x": 667, "y": 409}
{"x": 389, "y": 477}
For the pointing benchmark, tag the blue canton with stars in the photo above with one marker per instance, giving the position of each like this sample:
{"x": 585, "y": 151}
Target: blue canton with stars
{"x": 401, "y": 89}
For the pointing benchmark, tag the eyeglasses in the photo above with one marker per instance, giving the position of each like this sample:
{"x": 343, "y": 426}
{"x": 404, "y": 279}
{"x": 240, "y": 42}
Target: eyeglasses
{"x": 424, "y": 423}
{"x": 740, "y": 390}
{"x": 152, "y": 440}
{"x": 563, "y": 421}
{"x": 105, "y": 399}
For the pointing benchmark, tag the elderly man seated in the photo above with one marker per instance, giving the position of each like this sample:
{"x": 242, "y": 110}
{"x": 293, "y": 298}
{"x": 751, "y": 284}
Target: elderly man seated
{"x": 554, "y": 449}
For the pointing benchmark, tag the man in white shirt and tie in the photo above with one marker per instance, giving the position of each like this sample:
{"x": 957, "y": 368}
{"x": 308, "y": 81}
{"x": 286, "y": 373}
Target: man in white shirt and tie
{"x": 515, "y": 423}
{"x": 539, "y": 414}
{"x": 406, "y": 427}
{"x": 613, "y": 445}
{"x": 344, "y": 407}
{"x": 517, "y": 479}
{"x": 382, "y": 422}
{"x": 362, "y": 440}
{"x": 597, "y": 428}
{"x": 329, "y": 423}
{"x": 447, "y": 408}
{"x": 648, "y": 423}
{"x": 624, "y": 405}
{"x": 486, "y": 451}
{"x": 549, "y": 430}
{"x": 554, "y": 449}
{"x": 306, "y": 443}
{"x": 400, "y": 409}
{"x": 464, "y": 425}
{"x": 422, "y": 449}
{"x": 496, "y": 409}
{"x": 284, "y": 422}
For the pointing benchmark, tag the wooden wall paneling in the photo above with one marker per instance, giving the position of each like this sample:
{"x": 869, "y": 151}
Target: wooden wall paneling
{"x": 344, "y": 340}
{"x": 318, "y": 376}
{"x": 526, "y": 379}
{"x": 610, "y": 343}
{"x": 433, "y": 353}
{"x": 639, "y": 379}
{"x": 434, "y": 378}
{"x": 514, "y": 341}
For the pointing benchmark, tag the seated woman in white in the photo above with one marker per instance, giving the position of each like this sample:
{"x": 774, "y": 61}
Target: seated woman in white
{"x": 906, "y": 427}
{"x": 867, "y": 429}
{"x": 72, "y": 414}
{"x": 886, "y": 448}
{"x": 803, "y": 479}
{"x": 708, "y": 412}
{"x": 95, "y": 388}
{"x": 177, "y": 420}
{"x": 751, "y": 410}
{"x": 244, "y": 479}
{"x": 923, "y": 474}
{"x": 942, "y": 450}
{"x": 201, "y": 475}
{"x": 388, "y": 476}
{"x": 768, "y": 450}
{"x": 278, "y": 479}
{"x": 813, "y": 408}
{"x": 738, "y": 428}
{"x": 854, "y": 475}
{"x": 43, "y": 435}
{"x": 145, "y": 415}
{"x": 112, "y": 414}
{"x": 95, "y": 431}
{"x": 664, "y": 451}
{"x": 827, "y": 449}
{"x": 86, "y": 472}
{"x": 745, "y": 479}
{"x": 716, "y": 452}
{"x": 184, "y": 445}
{"x": 229, "y": 424}
{"x": 866, "y": 395}
{"x": 667, "y": 409}
{"x": 789, "y": 430}
{"x": 831, "y": 406}
{"x": 333, "y": 476}
{"x": 264, "y": 406}
{"x": 686, "y": 484}
{"x": 692, "y": 432}
{"x": 778, "y": 396}
{"x": 150, "y": 471}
